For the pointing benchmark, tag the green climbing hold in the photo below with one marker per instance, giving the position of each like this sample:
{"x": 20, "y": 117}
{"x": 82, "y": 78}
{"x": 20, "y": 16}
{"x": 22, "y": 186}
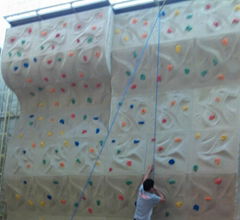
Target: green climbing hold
{"x": 55, "y": 182}
{"x": 128, "y": 182}
{"x": 98, "y": 202}
{"x": 84, "y": 117}
{"x": 167, "y": 214}
{"x": 90, "y": 182}
{"x": 19, "y": 54}
{"x": 76, "y": 204}
{"x": 78, "y": 160}
{"x": 128, "y": 73}
{"x": 73, "y": 101}
{"x": 90, "y": 40}
{"x": 59, "y": 59}
{"x": 31, "y": 123}
{"x": 142, "y": 77}
{"x": 40, "y": 89}
{"x": 120, "y": 104}
{"x": 171, "y": 181}
{"x": 195, "y": 168}
{"x": 188, "y": 28}
{"x": 215, "y": 62}
{"x": 42, "y": 47}
{"x": 189, "y": 16}
{"x": 56, "y": 151}
{"x": 44, "y": 161}
{"x": 89, "y": 100}
{"x": 23, "y": 42}
{"x": 204, "y": 73}
{"x": 186, "y": 71}
{"x": 9, "y": 54}
{"x": 135, "y": 54}
{"x": 101, "y": 142}
{"x": 118, "y": 151}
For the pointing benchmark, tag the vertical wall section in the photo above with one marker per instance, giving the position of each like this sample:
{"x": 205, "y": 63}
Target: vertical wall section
{"x": 70, "y": 73}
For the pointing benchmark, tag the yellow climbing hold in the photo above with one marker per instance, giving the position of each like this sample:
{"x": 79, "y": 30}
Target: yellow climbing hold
{"x": 237, "y": 7}
{"x": 117, "y": 31}
{"x": 126, "y": 38}
{"x": 177, "y": 12}
{"x": 40, "y": 118}
{"x": 179, "y": 204}
{"x": 21, "y": 135}
{"x": 185, "y": 107}
{"x": 223, "y": 137}
{"x": 42, "y": 203}
{"x": 61, "y": 132}
{"x": 30, "y": 202}
{"x": 41, "y": 104}
{"x": 50, "y": 134}
{"x": 18, "y": 196}
{"x": 197, "y": 135}
{"x": 178, "y": 48}
{"x": 66, "y": 143}
{"x": 98, "y": 163}
{"x": 42, "y": 144}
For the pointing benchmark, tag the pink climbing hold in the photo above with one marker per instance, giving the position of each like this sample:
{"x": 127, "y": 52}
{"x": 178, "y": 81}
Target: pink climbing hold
{"x": 62, "y": 90}
{"x": 90, "y": 210}
{"x": 84, "y": 131}
{"x": 164, "y": 121}
{"x": 121, "y": 197}
{"x": 169, "y": 30}
{"x": 73, "y": 116}
{"x": 29, "y": 30}
{"x": 211, "y": 117}
{"x": 45, "y": 79}
{"x": 160, "y": 148}
{"x": 218, "y": 181}
{"x": 235, "y": 21}
{"x": 110, "y": 169}
{"x": 129, "y": 163}
{"x": 134, "y": 86}
{"x": 49, "y": 62}
{"x": 159, "y": 78}
{"x": 85, "y": 86}
{"x": 63, "y": 75}
{"x": 216, "y": 24}
{"x": 208, "y": 6}
{"x": 98, "y": 85}
{"x": 85, "y": 58}
{"x": 73, "y": 84}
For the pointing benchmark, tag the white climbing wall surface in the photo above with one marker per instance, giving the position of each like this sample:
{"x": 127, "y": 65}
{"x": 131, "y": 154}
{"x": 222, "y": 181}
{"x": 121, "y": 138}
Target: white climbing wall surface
{"x": 69, "y": 74}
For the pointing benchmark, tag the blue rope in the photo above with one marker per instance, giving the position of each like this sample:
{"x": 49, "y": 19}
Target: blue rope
{"x": 123, "y": 96}
{"x": 156, "y": 91}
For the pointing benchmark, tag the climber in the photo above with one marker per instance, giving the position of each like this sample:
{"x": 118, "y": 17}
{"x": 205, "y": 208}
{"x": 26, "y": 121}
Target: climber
{"x": 148, "y": 197}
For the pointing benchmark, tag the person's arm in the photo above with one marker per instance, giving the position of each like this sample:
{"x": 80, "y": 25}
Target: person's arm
{"x": 160, "y": 194}
{"x": 148, "y": 173}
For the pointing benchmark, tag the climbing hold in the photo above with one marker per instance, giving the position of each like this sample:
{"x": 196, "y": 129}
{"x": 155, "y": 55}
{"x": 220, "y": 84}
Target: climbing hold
{"x": 171, "y": 181}
{"x": 78, "y": 160}
{"x": 208, "y": 198}
{"x": 186, "y": 71}
{"x": 42, "y": 144}
{"x": 215, "y": 61}
{"x": 142, "y": 77}
{"x": 167, "y": 214}
{"x": 113, "y": 141}
{"x": 17, "y": 196}
{"x": 62, "y": 164}
{"x": 134, "y": 21}
{"x": 110, "y": 169}
{"x": 97, "y": 130}
{"x": 164, "y": 120}
{"x": 179, "y": 204}
{"x": 225, "y": 41}
{"x": 62, "y": 121}
{"x": 129, "y": 182}
{"x": 237, "y": 7}
{"x": 136, "y": 141}
{"x": 134, "y": 86}
{"x": 66, "y": 143}
{"x": 141, "y": 122}
{"x": 212, "y": 117}
{"x": 169, "y": 30}
{"x": 160, "y": 148}
{"x": 204, "y": 73}
{"x": 76, "y": 143}
{"x": 143, "y": 111}
{"x": 208, "y": 6}
{"x": 55, "y": 182}
{"x": 217, "y": 161}
{"x": 90, "y": 182}
{"x": 177, "y": 140}
{"x": 197, "y": 135}
{"x": 185, "y": 108}
{"x": 121, "y": 197}
{"x": 195, "y": 168}
{"x": 42, "y": 203}
{"x": 178, "y": 48}
{"x": 188, "y": 28}
{"x": 30, "y": 202}
{"x": 50, "y": 133}
{"x": 218, "y": 181}
{"x": 118, "y": 151}
{"x": 196, "y": 207}
{"x": 98, "y": 202}
{"x": 90, "y": 210}
{"x": 129, "y": 163}
{"x": 124, "y": 124}
{"x": 63, "y": 201}
{"x": 235, "y": 21}
{"x": 72, "y": 115}
{"x": 84, "y": 131}
{"x": 132, "y": 106}
{"x": 189, "y": 16}
{"x": 223, "y": 137}
{"x": 44, "y": 161}
{"x": 169, "y": 67}
{"x": 217, "y": 99}
{"x": 91, "y": 150}
{"x": 159, "y": 78}
{"x": 220, "y": 76}
{"x": 89, "y": 100}
{"x": 76, "y": 204}
{"x": 171, "y": 161}
{"x": 49, "y": 197}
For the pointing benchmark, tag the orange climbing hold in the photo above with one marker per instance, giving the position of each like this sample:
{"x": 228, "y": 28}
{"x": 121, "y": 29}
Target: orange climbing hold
{"x": 63, "y": 201}
{"x": 178, "y": 140}
{"x": 217, "y": 161}
{"x": 208, "y": 198}
{"x": 143, "y": 111}
{"x": 220, "y": 76}
{"x": 62, "y": 164}
{"x": 91, "y": 150}
{"x": 225, "y": 41}
{"x": 170, "y": 67}
{"x": 124, "y": 124}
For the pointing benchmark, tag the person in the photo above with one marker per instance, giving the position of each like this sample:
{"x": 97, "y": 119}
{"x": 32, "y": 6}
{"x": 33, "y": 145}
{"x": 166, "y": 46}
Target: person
{"x": 148, "y": 197}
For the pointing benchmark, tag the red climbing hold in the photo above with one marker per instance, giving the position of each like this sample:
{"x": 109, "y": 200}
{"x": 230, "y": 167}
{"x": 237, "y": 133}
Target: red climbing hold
{"x": 84, "y": 131}
{"x": 129, "y": 163}
{"x": 134, "y": 86}
{"x": 110, "y": 169}
{"x": 218, "y": 181}
{"x": 90, "y": 210}
{"x": 120, "y": 197}
{"x": 212, "y": 117}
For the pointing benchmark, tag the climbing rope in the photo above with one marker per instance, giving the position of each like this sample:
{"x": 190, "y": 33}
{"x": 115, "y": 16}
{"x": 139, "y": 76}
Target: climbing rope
{"x": 119, "y": 105}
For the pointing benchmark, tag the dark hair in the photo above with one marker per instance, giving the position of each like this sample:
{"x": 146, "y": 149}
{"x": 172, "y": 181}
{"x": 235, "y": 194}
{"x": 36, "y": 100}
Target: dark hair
{"x": 148, "y": 184}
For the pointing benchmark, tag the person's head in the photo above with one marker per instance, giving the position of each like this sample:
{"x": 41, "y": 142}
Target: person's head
{"x": 148, "y": 185}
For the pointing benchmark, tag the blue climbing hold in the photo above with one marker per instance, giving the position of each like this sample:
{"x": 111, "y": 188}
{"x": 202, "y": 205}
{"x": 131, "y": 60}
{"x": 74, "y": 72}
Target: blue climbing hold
{"x": 131, "y": 106}
{"x": 113, "y": 141}
{"x": 61, "y": 121}
{"x": 95, "y": 118}
{"x": 35, "y": 59}
{"x": 76, "y": 143}
{"x": 26, "y": 65}
{"x": 49, "y": 197}
{"x": 196, "y": 207}
{"x": 171, "y": 162}
{"x": 136, "y": 141}
{"x": 141, "y": 122}
{"x": 31, "y": 116}
{"x": 97, "y": 130}
{"x": 25, "y": 182}
{"x": 24, "y": 151}
{"x": 15, "y": 68}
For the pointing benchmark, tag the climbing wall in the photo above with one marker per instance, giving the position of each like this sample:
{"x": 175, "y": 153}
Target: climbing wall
{"x": 73, "y": 75}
